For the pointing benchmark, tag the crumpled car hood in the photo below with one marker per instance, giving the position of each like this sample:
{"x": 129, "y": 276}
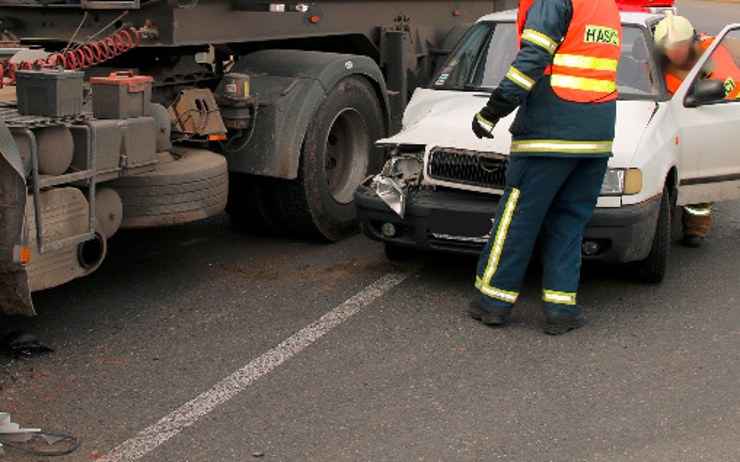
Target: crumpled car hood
{"x": 443, "y": 118}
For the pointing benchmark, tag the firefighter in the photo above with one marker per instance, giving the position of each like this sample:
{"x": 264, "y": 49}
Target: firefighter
{"x": 564, "y": 82}
{"x": 680, "y": 48}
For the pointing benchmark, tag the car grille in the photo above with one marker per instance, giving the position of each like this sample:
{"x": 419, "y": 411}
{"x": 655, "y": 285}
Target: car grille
{"x": 468, "y": 168}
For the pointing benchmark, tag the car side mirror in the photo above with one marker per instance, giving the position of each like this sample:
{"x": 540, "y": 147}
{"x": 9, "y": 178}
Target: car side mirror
{"x": 706, "y": 91}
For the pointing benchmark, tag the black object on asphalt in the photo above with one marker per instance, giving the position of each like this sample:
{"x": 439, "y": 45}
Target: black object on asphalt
{"x": 25, "y": 344}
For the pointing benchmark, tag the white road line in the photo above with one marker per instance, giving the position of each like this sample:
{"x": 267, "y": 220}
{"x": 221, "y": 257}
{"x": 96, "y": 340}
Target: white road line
{"x": 189, "y": 413}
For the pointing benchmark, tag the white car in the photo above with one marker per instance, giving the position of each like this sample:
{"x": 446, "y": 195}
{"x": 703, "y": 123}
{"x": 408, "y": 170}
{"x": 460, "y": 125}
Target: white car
{"x": 440, "y": 187}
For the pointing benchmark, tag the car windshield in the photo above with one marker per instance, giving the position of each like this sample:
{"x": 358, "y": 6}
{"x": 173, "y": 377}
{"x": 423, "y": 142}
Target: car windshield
{"x": 485, "y": 54}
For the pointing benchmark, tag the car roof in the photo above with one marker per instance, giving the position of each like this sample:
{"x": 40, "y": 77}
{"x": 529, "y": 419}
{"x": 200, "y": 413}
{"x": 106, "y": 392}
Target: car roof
{"x": 628, "y": 17}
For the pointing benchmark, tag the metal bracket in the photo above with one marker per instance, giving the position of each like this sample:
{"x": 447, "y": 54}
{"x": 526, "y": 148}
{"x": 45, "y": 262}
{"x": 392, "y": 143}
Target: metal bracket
{"x": 110, "y": 5}
{"x": 37, "y": 183}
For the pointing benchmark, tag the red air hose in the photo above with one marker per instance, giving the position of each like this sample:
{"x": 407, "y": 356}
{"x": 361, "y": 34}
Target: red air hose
{"x": 79, "y": 58}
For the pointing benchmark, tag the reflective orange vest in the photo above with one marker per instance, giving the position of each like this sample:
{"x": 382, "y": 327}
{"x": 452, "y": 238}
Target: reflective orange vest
{"x": 521, "y": 17}
{"x": 584, "y": 66}
{"x": 724, "y": 70}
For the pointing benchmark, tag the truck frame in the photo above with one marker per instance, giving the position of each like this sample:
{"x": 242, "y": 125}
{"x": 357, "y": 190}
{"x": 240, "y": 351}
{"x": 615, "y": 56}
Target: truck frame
{"x": 267, "y": 110}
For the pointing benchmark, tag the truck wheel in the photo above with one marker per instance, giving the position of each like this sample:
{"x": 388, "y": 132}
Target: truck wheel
{"x": 187, "y": 186}
{"x": 338, "y": 154}
{"x": 652, "y": 269}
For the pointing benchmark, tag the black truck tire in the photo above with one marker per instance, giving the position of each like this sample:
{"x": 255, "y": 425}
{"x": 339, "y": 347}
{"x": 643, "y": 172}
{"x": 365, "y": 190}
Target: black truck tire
{"x": 652, "y": 269}
{"x": 338, "y": 153}
{"x": 189, "y": 186}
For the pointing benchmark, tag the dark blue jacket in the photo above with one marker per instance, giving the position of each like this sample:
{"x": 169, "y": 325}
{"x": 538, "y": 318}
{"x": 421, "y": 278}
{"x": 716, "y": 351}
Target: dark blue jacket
{"x": 542, "y": 115}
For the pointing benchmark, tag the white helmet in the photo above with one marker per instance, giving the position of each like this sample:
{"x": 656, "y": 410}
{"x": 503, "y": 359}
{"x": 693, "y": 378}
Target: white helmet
{"x": 672, "y": 30}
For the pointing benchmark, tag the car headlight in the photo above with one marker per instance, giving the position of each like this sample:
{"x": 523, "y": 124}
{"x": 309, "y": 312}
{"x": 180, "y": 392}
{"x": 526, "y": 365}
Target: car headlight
{"x": 619, "y": 181}
{"x": 405, "y": 162}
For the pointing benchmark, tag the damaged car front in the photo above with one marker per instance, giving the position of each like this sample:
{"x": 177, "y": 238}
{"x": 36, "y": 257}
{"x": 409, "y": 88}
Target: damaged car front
{"x": 440, "y": 188}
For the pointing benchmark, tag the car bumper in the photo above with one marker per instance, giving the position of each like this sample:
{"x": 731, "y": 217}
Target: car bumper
{"x": 459, "y": 221}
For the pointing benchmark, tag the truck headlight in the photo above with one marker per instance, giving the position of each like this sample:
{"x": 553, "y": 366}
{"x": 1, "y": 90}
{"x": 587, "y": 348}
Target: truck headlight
{"x": 618, "y": 181}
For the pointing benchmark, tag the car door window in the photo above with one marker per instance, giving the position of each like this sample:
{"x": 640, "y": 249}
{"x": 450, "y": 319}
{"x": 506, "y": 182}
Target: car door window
{"x": 724, "y": 65}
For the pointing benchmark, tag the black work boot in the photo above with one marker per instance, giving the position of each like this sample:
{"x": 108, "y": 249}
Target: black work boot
{"x": 479, "y": 311}
{"x": 560, "y": 323}
{"x": 692, "y": 241}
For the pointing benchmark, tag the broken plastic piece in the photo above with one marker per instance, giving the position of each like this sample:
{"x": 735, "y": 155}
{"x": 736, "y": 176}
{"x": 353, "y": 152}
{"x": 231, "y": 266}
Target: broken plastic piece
{"x": 25, "y": 439}
{"x": 390, "y": 191}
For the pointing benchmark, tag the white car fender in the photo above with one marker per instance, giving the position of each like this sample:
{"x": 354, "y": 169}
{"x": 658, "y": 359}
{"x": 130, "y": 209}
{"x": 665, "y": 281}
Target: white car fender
{"x": 655, "y": 155}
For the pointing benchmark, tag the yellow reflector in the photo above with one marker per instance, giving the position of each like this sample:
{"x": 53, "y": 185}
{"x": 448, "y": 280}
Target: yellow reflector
{"x": 632, "y": 181}
{"x": 217, "y": 137}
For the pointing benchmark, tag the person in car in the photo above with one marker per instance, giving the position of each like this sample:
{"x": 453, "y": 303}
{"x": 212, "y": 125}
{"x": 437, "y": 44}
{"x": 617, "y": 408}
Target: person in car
{"x": 681, "y": 48}
{"x": 564, "y": 82}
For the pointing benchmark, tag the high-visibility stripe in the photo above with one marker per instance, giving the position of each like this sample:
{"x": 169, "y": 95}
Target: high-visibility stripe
{"x": 698, "y": 211}
{"x": 488, "y": 124}
{"x": 500, "y": 238}
{"x": 540, "y": 39}
{"x": 560, "y": 298}
{"x": 494, "y": 292}
{"x": 516, "y": 76}
{"x": 583, "y": 83}
{"x": 571, "y": 147}
{"x": 585, "y": 62}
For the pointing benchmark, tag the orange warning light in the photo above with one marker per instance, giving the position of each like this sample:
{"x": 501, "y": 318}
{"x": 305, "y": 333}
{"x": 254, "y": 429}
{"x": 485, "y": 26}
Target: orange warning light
{"x": 25, "y": 255}
{"x": 676, "y": 141}
{"x": 217, "y": 137}
{"x": 315, "y": 19}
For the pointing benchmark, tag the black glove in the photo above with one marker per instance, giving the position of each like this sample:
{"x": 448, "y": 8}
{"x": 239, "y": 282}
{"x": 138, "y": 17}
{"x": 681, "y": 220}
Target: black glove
{"x": 483, "y": 124}
{"x": 488, "y": 117}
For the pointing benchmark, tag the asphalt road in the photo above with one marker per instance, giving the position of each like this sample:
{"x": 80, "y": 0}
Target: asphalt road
{"x": 395, "y": 371}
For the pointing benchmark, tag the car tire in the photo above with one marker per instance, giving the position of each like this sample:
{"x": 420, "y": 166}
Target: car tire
{"x": 338, "y": 154}
{"x": 652, "y": 269}
{"x": 187, "y": 186}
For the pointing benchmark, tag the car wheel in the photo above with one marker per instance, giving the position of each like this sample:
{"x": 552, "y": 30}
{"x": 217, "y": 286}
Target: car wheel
{"x": 653, "y": 268}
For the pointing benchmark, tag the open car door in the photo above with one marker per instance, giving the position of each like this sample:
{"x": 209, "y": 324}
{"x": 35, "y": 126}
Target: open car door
{"x": 707, "y": 112}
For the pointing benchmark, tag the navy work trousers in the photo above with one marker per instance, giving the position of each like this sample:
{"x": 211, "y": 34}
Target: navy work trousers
{"x": 550, "y": 198}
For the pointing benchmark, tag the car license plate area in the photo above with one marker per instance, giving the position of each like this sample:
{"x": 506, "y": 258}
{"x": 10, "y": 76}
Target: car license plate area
{"x": 459, "y": 224}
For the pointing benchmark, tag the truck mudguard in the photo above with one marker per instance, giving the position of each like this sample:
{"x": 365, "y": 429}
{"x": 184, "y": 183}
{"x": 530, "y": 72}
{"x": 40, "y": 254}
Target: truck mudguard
{"x": 290, "y": 85}
{"x": 15, "y": 297}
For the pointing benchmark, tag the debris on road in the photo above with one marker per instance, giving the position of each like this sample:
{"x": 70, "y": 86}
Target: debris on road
{"x": 24, "y": 344}
{"x": 34, "y": 440}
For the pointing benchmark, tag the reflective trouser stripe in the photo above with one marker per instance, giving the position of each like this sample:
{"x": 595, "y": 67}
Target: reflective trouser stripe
{"x": 539, "y": 39}
{"x": 571, "y": 82}
{"x": 698, "y": 211}
{"x": 518, "y": 77}
{"x": 494, "y": 292}
{"x": 560, "y": 298}
{"x": 572, "y": 147}
{"x": 585, "y": 62}
{"x": 500, "y": 238}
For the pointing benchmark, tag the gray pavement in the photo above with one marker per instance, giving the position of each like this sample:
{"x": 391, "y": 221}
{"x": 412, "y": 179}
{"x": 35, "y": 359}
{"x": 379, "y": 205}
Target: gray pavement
{"x": 653, "y": 377}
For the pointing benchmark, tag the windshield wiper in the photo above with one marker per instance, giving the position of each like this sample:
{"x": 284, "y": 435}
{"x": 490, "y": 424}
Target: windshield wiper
{"x": 471, "y": 87}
